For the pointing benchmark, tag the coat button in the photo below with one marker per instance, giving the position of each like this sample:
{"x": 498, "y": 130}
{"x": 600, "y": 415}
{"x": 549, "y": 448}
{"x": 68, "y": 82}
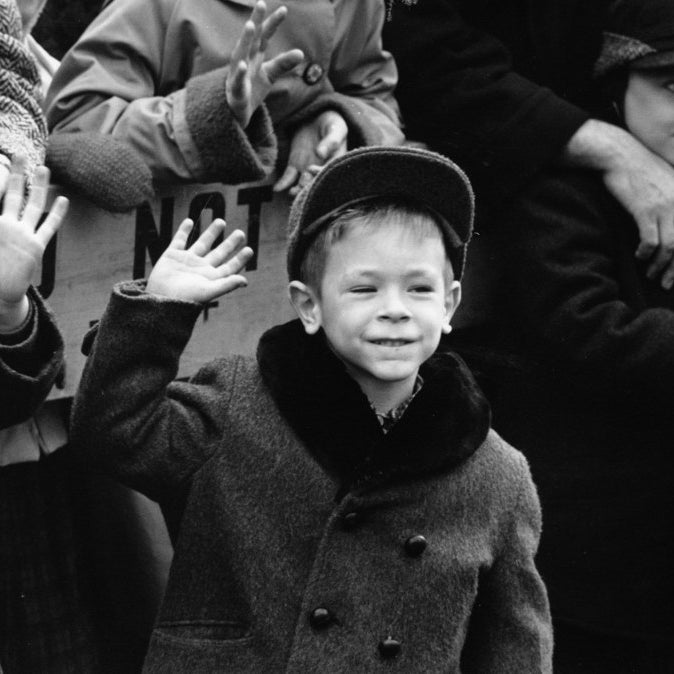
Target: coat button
{"x": 320, "y": 618}
{"x": 415, "y": 545}
{"x": 389, "y": 648}
{"x": 351, "y": 520}
{"x": 313, "y": 73}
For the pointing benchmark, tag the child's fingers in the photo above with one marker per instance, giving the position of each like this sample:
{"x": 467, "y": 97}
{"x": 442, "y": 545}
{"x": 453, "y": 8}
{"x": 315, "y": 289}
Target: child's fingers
{"x": 15, "y": 188}
{"x": 271, "y": 23}
{"x": 231, "y": 245}
{"x": 257, "y": 17}
{"x": 205, "y": 242}
{"x": 282, "y": 64}
{"x": 228, "y": 284}
{"x": 238, "y": 83}
{"x": 179, "y": 240}
{"x": 37, "y": 198}
{"x": 53, "y": 221}
{"x": 235, "y": 264}
{"x": 242, "y": 48}
{"x": 288, "y": 179}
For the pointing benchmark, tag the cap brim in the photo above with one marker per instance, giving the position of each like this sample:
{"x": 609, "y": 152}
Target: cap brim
{"x": 400, "y": 172}
{"x": 659, "y": 59}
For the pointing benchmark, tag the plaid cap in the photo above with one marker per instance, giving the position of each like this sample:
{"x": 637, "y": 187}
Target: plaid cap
{"x": 638, "y": 32}
{"x": 401, "y": 172}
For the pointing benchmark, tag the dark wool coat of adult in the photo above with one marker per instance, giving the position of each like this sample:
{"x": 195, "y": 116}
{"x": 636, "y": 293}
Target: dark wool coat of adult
{"x": 45, "y": 622}
{"x": 309, "y": 539}
{"x": 500, "y": 86}
{"x": 591, "y": 407}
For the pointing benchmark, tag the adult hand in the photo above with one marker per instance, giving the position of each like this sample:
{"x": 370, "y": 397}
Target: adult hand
{"x": 313, "y": 145}
{"x": 21, "y": 245}
{"x": 250, "y": 77}
{"x": 200, "y": 273}
{"x": 641, "y": 181}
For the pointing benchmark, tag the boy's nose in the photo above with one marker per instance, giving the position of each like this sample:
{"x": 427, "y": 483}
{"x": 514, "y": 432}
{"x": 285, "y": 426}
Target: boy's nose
{"x": 394, "y": 307}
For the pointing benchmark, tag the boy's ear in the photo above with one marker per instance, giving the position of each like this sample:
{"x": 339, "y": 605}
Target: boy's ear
{"x": 452, "y": 301}
{"x": 306, "y": 304}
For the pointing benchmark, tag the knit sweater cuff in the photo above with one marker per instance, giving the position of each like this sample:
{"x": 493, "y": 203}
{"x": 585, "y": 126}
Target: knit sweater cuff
{"x": 357, "y": 113}
{"x": 228, "y": 153}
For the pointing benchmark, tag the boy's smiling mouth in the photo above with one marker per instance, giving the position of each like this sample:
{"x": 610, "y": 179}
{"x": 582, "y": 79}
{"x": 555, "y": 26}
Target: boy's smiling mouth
{"x": 391, "y": 342}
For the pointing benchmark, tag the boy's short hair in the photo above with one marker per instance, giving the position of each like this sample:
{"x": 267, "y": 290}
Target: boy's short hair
{"x": 432, "y": 183}
{"x": 418, "y": 220}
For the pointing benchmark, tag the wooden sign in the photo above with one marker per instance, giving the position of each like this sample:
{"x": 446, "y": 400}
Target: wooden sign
{"x": 95, "y": 249}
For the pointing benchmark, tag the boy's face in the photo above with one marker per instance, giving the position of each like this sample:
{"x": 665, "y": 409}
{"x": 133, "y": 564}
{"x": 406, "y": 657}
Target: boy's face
{"x": 649, "y": 109}
{"x": 386, "y": 297}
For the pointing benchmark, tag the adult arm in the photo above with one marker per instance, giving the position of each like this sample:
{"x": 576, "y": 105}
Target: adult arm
{"x": 510, "y": 629}
{"x": 459, "y": 93}
{"x": 583, "y": 296}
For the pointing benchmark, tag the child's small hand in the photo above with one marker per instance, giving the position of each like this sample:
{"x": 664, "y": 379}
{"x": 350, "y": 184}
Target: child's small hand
{"x": 21, "y": 246}
{"x": 314, "y": 144}
{"x": 250, "y": 77}
{"x": 199, "y": 274}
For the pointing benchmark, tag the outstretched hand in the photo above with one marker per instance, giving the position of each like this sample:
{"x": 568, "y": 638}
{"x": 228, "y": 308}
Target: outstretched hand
{"x": 313, "y": 145}
{"x": 200, "y": 273}
{"x": 250, "y": 77}
{"x": 21, "y": 245}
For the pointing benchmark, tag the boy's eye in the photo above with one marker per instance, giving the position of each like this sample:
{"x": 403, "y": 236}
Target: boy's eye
{"x": 422, "y": 288}
{"x": 363, "y": 289}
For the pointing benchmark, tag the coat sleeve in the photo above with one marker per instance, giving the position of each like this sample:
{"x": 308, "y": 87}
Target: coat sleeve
{"x": 107, "y": 83}
{"x": 459, "y": 94}
{"x": 587, "y": 302}
{"x": 30, "y": 361}
{"x": 22, "y": 127}
{"x": 130, "y": 419}
{"x": 511, "y": 627}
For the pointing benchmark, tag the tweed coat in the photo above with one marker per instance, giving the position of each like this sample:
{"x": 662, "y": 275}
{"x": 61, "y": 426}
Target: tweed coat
{"x": 153, "y": 74}
{"x": 589, "y": 401}
{"x": 290, "y": 556}
{"x": 23, "y": 130}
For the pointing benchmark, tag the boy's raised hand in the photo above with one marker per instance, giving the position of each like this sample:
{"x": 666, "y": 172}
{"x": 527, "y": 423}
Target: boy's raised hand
{"x": 250, "y": 77}
{"x": 21, "y": 245}
{"x": 200, "y": 273}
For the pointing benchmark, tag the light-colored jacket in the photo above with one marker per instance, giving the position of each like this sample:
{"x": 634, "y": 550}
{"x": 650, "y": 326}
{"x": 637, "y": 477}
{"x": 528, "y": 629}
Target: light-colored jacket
{"x": 282, "y": 563}
{"x": 152, "y": 72}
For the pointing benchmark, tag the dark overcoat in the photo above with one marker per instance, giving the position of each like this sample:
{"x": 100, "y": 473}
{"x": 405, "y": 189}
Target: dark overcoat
{"x": 308, "y": 540}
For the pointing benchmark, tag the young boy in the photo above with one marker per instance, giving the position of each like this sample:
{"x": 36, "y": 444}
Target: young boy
{"x": 344, "y": 505}
{"x": 592, "y": 410}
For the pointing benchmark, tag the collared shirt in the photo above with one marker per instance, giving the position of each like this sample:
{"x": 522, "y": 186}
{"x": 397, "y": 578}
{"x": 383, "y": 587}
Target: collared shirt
{"x": 388, "y": 419}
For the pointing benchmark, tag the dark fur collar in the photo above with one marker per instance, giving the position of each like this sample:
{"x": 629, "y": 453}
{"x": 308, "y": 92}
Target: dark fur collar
{"x": 444, "y": 424}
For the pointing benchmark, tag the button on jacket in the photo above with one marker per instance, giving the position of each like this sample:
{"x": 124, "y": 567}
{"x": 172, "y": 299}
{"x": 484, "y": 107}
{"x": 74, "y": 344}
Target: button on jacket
{"x": 266, "y": 576}
{"x": 153, "y": 74}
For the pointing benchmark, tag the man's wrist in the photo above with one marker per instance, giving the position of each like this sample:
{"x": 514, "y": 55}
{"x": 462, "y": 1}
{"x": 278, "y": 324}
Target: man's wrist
{"x": 14, "y": 315}
{"x": 598, "y": 145}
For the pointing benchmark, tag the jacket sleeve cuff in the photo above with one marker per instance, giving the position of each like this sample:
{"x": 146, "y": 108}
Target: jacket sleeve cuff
{"x": 531, "y": 140}
{"x": 365, "y": 128}
{"x": 227, "y": 152}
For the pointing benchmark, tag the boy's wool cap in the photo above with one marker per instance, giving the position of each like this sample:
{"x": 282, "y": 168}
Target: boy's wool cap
{"x": 368, "y": 173}
{"x": 638, "y": 32}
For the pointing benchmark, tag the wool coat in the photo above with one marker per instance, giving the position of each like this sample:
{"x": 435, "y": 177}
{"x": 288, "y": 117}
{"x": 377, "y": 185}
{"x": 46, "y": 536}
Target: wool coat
{"x": 153, "y": 74}
{"x": 45, "y": 623}
{"x": 588, "y": 400}
{"x": 500, "y": 86}
{"x": 309, "y": 540}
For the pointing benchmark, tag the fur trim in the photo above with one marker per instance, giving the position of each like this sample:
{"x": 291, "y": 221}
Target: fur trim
{"x": 444, "y": 424}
